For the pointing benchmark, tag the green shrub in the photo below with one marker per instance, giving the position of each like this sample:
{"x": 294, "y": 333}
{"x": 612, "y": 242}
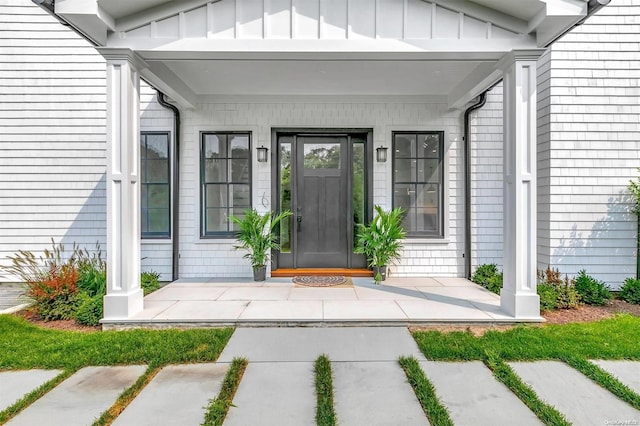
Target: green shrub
{"x": 564, "y": 289}
{"x": 489, "y": 277}
{"x": 495, "y": 283}
{"x": 483, "y": 273}
{"x": 548, "y": 297}
{"x": 149, "y": 281}
{"x": 92, "y": 270}
{"x": 630, "y": 291}
{"x": 591, "y": 290}
{"x": 89, "y": 311}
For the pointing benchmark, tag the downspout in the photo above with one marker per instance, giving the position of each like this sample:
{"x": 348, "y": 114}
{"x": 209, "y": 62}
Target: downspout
{"x": 175, "y": 216}
{"x": 482, "y": 99}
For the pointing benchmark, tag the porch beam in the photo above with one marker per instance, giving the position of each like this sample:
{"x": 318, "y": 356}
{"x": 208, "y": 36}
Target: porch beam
{"x": 124, "y": 295}
{"x": 518, "y": 296}
{"x": 481, "y": 78}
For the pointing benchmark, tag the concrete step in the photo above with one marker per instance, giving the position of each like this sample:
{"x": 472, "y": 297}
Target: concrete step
{"x": 275, "y": 393}
{"x": 374, "y": 393}
{"x": 178, "y": 395}
{"x": 627, "y": 372}
{"x": 80, "y": 399}
{"x": 581, "y": 400}
{"x": 15, "y": 385}
{"x": 474, "y": 397}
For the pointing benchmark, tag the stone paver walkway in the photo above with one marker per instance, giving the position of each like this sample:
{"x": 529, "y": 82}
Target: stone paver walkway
{"x": 16, "y": 384}
{"x": 81, "y": 398}
{"x": 582, "y": 401}
{"x": 369, "y": 386}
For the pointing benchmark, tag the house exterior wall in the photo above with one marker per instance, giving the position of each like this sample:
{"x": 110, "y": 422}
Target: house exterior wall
{"x": 52, "y": 138}
{"x": 216, "y": 257}
{"x": 52, "y": 134}
{"x": 487, "y": 181}
{"x": 589, "y": 146}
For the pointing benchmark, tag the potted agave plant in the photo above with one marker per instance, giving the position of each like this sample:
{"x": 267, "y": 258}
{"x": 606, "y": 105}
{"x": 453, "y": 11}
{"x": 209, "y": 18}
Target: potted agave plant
{"x": 381, "y": 240}
{"x": 255, "y": 234}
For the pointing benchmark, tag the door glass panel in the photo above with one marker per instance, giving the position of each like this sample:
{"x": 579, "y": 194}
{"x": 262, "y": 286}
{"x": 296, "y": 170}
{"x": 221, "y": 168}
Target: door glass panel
{"x": 358, "y": 180}
{"x": 405, "y": 170}
{"x": 322, "y": 156}
{"x": 405, "y": 146}
{"x": 285, "y": 195}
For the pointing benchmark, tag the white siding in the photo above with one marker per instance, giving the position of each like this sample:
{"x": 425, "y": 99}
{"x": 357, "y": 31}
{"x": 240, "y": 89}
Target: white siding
{"x": 206, "y": 257}
{"x": 156, "y": 254}
{"x": 487, "y": 181}
{"x": 52, "y": 138}
{"x": 52, "y": 133}
{"x": 590, "y": 146}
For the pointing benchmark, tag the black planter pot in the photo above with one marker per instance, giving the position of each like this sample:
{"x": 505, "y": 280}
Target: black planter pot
{"x": 382, "y": 270}
{"x": 259, "y": 273}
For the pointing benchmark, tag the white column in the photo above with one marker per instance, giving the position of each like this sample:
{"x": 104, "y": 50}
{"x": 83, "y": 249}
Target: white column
{"x": 124, "y": 295}
{"x": 518, "y": 296}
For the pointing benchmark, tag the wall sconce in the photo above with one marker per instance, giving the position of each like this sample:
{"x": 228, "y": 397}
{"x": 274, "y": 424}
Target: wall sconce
{"x": 381, "y": 154}
{"x": 263, "y": 154}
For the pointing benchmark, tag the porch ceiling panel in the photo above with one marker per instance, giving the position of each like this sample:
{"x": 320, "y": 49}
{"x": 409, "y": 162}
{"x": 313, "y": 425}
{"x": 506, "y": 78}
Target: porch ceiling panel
{"x": 285, "y": 77}
{"x": 185, "y": 42}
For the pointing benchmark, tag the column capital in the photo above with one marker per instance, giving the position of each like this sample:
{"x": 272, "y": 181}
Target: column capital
{"x": 123, "y": 54}
{"x": 518, "y": 55}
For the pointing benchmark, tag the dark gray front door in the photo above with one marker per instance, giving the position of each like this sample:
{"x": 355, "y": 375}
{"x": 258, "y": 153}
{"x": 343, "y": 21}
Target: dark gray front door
{"x": 320, "y": 213}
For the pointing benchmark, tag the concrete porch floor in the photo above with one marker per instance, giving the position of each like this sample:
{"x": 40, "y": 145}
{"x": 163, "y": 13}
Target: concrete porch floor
{"x": 205, "y": 302}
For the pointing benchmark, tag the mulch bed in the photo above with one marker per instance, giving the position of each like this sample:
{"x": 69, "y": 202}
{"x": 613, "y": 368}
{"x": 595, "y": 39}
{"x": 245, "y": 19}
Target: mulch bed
{"x": 69, "y": 325}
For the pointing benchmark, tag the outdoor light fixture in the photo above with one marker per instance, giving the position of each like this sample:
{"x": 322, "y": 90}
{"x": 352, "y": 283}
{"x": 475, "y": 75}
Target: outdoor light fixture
{"x": 263, "y": 154}
{"x": 381, "y": 154}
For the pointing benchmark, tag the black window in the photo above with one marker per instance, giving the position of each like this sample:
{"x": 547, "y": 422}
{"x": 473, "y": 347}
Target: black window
{"x": 225, "y": 174}
{"x": 418, "y": 181}
{"x": 155, "y": 185}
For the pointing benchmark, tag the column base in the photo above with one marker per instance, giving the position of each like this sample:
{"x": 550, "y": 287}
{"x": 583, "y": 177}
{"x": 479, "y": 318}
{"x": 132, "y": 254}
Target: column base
{"x": 520, "y": 305}
{"x": 121, "y": 306}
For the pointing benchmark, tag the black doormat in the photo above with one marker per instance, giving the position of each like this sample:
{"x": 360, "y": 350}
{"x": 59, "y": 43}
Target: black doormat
{"x": 320, "y": 281}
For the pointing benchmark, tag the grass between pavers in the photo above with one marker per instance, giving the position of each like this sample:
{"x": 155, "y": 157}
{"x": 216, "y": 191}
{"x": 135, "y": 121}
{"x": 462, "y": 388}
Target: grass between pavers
{"x": 219, "y": 407}
{"x": 606, "y": 380}
{"x": 614, "y": 338}
{"x": 425, "y": 392}
{"x": 126, "y": 397}
{"x": 32, "y": 396}
{"x": 325, "y": 413}
{"x": 504, "y": 374}
{"x": 26, "y": 346}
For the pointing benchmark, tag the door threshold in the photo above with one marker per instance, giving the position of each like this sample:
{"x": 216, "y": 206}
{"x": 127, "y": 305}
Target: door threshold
{"x": 292, "y": 272}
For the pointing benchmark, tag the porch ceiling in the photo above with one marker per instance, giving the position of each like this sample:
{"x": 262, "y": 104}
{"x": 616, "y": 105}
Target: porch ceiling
{"x": 286, "y": 77}
{"x": 309, "y": 47}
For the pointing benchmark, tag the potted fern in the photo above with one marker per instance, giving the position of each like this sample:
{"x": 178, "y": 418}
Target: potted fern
{"x": 381, "y": 240}
{"x": 256, "y": 235}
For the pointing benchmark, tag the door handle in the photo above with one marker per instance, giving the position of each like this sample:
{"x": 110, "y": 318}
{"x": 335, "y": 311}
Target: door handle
{"x": 299, "y": 220}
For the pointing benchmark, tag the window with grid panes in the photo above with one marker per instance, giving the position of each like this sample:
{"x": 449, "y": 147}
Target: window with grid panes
{"x": 226, "y": 180}
{"x": 155, "y": 185}
{"x": 418, "y": 181}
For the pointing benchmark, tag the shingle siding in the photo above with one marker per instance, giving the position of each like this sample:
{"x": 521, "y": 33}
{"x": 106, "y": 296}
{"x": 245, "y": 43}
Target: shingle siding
{"x": 589, "y": 145}
{"x": 52, "y": 133}
{"x": 52, "y": 137}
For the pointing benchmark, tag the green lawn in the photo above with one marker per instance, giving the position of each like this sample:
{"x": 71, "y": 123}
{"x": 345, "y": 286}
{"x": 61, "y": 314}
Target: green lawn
{"x": 574, "y": 344}
{"x": 25, "y": 346}
{"x": 615, "y": 338}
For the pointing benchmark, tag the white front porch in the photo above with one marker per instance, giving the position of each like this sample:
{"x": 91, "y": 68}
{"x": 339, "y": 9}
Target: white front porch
{"x": 216, "y": 302}
{"x": 200, "y": 52}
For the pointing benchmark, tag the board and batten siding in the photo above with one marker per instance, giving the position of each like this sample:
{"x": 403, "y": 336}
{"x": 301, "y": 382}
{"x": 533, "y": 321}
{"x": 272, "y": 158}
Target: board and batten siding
{"x": 589, "y": 146}
{"x": 52, "y": 137}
